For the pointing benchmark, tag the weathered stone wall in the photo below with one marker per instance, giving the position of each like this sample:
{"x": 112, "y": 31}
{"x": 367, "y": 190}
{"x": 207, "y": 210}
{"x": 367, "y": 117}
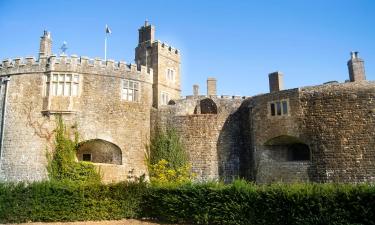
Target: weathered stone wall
{"x": 211, "y": 140}
{"x": 336, "y": 122}
{"x": 267, "y": 166}
{"x": 339, "y": 121}
{"x": 98, "y": 112}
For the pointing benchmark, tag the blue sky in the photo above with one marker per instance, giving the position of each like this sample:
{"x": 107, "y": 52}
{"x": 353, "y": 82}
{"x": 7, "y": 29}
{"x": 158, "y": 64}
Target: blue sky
{"x": 238, "y": 42}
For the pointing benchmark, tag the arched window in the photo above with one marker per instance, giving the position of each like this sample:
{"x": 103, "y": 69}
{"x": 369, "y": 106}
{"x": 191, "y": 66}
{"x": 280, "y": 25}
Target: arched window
{"x": 208, "y": 106}
{"x": 99, "y": 151}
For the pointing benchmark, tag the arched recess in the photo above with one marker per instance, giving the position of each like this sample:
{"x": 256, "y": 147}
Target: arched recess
{"x": 289, "y": 148}
{"x": 171, "y": 102}
{"x": 208, "y": 106}
{"x": 99, "y": 151}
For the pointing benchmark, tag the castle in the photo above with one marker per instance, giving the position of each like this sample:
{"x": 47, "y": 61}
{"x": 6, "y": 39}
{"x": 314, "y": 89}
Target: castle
{"x": 323, "y": 133}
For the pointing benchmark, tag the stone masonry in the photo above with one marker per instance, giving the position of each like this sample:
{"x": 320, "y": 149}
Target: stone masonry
{"x": 323, "y": 133}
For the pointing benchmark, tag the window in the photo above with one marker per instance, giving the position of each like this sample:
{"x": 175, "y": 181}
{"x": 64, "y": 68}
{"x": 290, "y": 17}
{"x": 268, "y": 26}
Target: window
{"x": 164, "y": 98}
{"x": 130, "y": 90}
{"x": 62, "y": 84}
{"x": 86, "y": 157}
{"x": 279, "y": 108}
{"x": 170, "y": 74}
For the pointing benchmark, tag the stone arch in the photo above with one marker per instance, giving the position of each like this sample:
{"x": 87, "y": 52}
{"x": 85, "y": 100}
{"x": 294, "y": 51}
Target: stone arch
{"x": 208, "y": 106}
{"x": 289, "y": 148}
{"x": 171, "y": 102}
{"x": 99, "y": 151}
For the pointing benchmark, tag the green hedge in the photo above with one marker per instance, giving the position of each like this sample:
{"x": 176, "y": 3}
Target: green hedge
{"x": 67, "y": 201}
{"x": 242, "y": 203}
{"x": 239, "y": 203}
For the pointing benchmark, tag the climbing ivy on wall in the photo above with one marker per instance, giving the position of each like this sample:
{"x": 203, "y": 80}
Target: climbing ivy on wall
{"x": 62, "y": 163}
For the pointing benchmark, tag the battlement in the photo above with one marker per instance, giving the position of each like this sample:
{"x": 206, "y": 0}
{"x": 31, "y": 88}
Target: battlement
{"x": 167, "y": 47}
{"x": 69, "y": 63}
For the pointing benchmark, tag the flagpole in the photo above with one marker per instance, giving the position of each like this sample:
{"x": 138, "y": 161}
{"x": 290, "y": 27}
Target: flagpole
{"x": 105, "y": 47}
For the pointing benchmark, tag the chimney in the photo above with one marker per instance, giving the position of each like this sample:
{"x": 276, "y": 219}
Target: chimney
{"x": 276, "y": 81}
{"x": 356, "y": 67}
{"x": 196, "y": 90}
{"x": 211, "y": 86}
{"x": 146, "y": 33}
{"x": 45, "y": 48}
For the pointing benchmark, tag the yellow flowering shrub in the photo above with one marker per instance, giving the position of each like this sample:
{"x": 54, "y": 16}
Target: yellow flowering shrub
{"x": 162, "y": 173}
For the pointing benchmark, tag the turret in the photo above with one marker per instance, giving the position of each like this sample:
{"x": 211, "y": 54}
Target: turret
{"x": 146, "y": 33}
{"x": 165, "y": 62}
{"x": 45, "y": 48}
{"x": 356, "y": 68}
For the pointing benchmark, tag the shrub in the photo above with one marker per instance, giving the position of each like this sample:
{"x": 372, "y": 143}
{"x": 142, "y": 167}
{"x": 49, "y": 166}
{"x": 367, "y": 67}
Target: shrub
{"x": 209, "y": 203}
{"x": 243, "y": 203}
{"x": 167, "y": 159}
{"x": 69, "y": 201}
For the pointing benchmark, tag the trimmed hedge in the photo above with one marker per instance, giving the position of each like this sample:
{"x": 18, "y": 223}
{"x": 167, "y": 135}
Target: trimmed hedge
{"x": 67, "y": 201}
{"x": 242, "y": 203}
{"x": 238, "y": 203}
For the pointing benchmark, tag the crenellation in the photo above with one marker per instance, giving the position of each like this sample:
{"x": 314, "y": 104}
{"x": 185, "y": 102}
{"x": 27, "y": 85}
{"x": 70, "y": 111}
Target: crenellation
{"x": 167, "y": 47}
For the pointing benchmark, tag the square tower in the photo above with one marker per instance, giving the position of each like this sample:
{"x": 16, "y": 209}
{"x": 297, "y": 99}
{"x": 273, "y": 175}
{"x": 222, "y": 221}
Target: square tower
{"x": 165, "y": 62}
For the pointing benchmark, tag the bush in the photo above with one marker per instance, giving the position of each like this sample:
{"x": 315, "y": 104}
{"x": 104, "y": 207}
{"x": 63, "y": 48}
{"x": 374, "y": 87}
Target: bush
{"x": 69, "y": 201}
{"x": 212, "y": 203}
{"x": 242, "y": 203}
{"x": 167, "y": 160}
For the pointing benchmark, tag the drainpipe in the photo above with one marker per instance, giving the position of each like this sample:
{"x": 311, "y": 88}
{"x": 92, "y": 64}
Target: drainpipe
{"x": 5, "y": 80}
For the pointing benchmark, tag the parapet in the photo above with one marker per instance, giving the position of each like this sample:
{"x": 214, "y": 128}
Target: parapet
{"x": 167, "y": 48}
{"x": 73, "y": 63}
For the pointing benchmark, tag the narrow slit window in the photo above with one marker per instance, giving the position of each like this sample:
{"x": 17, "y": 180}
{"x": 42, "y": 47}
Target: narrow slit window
{"x": 285, "y": 108}
{"x": 273, "y": 109}
{"x": 278, "y": 107}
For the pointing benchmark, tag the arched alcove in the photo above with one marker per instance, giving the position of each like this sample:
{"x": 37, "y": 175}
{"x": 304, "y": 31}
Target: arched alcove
{"x": 208, "y": 106}
{"x": 289, "y": 148}
{"x": 99, "y": 151}
{"x": 171, "y": 102}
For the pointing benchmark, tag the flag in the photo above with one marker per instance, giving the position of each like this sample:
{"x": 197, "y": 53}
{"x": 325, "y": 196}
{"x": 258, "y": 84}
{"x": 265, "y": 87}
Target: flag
{"x": 107, "y": 29}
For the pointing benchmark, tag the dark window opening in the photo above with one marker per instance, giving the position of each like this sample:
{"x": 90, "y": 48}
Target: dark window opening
{"x": 86, "y": 157}
{"x": 298, "y": 152}
{"x": 285, "y": 107}
{"x": 278, "y": 107}
{"x": 272, "y": 109}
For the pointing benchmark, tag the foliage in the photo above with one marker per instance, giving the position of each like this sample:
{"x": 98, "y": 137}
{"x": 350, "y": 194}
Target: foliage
{"x": 246, "y": 203}
{"x": 161, "y": 173}
{"x": 69, "y": 201}
{"x": 167, "y": 159}
{"x": 207, "y": 203}
{"x": 167, "y": 145}
{"x": 63, "y": 165}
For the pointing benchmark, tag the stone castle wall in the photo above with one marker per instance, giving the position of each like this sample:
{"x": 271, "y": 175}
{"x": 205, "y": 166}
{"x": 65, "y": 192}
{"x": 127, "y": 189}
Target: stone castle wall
{"x": 98, "y": 113}
{"x": 211, "y": 139}
{"x": 335, "y": 121}
{"x": 339, "y": 121}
